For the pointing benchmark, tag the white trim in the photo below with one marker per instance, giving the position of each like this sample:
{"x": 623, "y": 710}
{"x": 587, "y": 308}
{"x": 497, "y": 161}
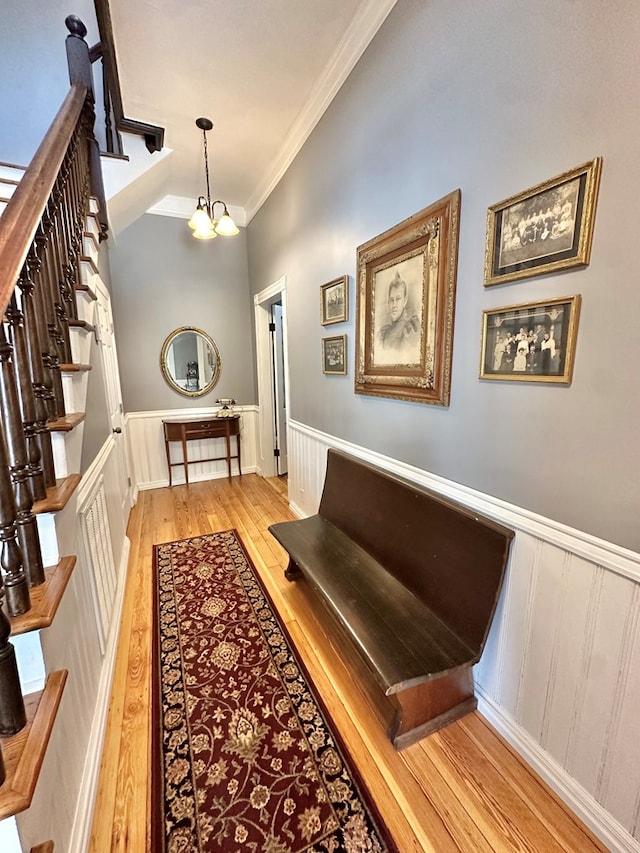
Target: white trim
{"x": 181, "y": 413}
{"x": 606, "y": 554}
{"x": 182, "y": 207}
{"x": 195, "y": 478}
{"x": 571, "y": 792}
{"x": 368, "y": 19}
{"x": 81, "y": 829}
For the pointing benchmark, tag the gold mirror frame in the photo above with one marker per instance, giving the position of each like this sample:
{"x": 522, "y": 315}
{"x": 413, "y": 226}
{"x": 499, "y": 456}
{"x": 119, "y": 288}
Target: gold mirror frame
{"x": 210, "y": 358}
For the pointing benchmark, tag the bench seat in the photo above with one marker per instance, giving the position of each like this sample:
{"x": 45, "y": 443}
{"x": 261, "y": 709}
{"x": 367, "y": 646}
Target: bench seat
{"x": 372, "y": 606}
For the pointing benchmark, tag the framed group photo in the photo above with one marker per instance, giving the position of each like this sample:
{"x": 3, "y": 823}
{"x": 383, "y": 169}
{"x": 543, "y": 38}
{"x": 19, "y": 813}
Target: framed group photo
{"x": 334, "y": 355}
{"x": 543, "y": 229}
{"x": 406, "y": 279}
{"x": 334, "y": 301}
{"x": 534, "y": 342}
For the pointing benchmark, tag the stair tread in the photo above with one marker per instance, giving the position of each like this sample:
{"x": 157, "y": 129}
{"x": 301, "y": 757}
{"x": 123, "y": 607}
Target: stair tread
{"x": 84, "y": 288}
{"x": 80, "y": 324}
{"x": 75, "y": 368}
{"x": 45, "y": 599}
{"x": 58, "y": 495}
{"x": 66, "y": 423}
{"x": 91, "y": 262}
{"x": 24, "y": 753}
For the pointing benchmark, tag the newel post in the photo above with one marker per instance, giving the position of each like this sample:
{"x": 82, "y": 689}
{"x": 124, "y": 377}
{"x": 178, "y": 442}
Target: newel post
{"x": 79, "y": 62}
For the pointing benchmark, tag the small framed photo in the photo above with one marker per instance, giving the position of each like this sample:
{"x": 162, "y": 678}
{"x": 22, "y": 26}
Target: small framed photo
{"x": 532, "y": 343}
{"x": 334, "y": 355}
{"x": 543, "y": 229}
{"x": 334, "y": 301}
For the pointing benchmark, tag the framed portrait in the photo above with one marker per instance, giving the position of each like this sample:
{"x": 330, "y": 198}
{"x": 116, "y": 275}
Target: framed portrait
{"x": 405, "y": 305}
{"x": 334, "y": 355}
{"x": 544, "y": 229}
{"x": 535, "y": 342}
{"x": 334, "y": 301}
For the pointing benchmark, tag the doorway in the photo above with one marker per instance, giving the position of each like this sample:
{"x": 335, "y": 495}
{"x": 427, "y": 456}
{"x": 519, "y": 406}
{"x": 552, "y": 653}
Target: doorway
{"x": 273, "y": 379}
{"x": 276, "y": 330}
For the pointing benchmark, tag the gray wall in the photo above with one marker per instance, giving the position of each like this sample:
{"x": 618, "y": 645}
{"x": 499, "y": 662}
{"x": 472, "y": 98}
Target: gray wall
{"x": 32, "y": 36}
{"x": 163, "y": 279}
{"x": 492, "y": 98}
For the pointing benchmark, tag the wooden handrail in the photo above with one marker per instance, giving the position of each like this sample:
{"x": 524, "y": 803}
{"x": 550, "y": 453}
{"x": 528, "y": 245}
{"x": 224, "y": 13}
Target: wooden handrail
{"x": 21, "y": 217}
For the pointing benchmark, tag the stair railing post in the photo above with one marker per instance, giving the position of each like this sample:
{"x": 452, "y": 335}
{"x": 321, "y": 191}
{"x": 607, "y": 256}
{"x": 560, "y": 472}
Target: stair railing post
{"x": 26, "y": 525}
{"x": 41, "y": 273}
{"x": 15, "y": 581}
{"x": 27, "y": 398}
{"x": 80, "y": 71}
{"x": 13, "y": 716}
{"x": 34, "y": 350}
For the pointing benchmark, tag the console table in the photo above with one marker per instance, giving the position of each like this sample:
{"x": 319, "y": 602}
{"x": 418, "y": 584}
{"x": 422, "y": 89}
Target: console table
{"x": 196, "y": 430}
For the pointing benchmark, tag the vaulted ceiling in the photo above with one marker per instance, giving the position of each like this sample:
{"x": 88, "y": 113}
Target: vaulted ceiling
{"x": 263, "y": 71}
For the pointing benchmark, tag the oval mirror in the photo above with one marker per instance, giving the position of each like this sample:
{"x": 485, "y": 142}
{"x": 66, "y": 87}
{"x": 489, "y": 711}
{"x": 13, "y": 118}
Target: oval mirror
{"x": 190, "y": 361}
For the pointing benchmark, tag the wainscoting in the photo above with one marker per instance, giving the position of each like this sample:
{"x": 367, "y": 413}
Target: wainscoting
{"x": 560, "y": 675}
{"x": 148, "y": 461}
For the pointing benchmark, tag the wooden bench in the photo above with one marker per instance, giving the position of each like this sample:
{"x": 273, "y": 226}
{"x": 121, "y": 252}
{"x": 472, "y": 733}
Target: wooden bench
{"x": 413, "y": 579}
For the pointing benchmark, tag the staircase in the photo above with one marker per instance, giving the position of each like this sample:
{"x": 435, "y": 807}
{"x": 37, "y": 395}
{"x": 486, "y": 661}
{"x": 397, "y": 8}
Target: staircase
{"x": 60, "y": 581}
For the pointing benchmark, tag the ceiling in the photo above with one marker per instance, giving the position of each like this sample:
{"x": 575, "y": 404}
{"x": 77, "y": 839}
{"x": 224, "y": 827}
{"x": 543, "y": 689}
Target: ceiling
{"x": 263, "y": 71}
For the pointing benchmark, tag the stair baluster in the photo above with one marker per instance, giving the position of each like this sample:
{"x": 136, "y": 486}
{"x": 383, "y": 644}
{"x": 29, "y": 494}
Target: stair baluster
{"x": 13, "y": 716}
{"x": 38, "y": 262}
{"x": 27, "y": 398}
{"x": 63, "y": 293}
{"x": 26, "y": 525}
{"x": 50, "y": 277}
{"x": 36, "y": 369}
{"x": 15, "y": 581}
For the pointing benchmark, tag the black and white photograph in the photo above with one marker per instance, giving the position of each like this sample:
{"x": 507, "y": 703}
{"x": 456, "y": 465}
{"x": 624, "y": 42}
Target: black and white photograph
{"x": 546, "y": 228}
{"x": 397, "y": 316}
{"x": 533, "y": 342}
{"x": 334, "y": 301}
{"x": 334, "y": 355}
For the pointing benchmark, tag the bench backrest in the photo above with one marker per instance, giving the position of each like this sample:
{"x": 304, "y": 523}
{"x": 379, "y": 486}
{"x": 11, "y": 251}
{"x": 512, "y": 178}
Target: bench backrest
{"x": 446, "y": 554}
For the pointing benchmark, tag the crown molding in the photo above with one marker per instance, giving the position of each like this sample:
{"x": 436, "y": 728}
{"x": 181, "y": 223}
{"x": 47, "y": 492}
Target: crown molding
{"x": 181, "y": 207}
{"x": 369, "y": 18}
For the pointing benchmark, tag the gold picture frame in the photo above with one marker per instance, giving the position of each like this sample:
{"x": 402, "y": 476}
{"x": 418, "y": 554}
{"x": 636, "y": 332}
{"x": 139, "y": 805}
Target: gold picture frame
{"x": 532, "y": 342}
{"x": 334, "y": 355}
{"x": 406, "y": 283}
{"x": 334, "y": 301}
{"x": 543, "y": 229}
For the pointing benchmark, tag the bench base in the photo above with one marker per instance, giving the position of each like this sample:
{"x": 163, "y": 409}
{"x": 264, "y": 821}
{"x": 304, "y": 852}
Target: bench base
{"x": 421, "y": 710}
{"x": 412, "y": 712}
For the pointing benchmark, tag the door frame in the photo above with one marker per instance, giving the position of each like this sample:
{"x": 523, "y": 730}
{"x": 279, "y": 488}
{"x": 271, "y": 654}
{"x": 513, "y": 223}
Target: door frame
{"x": 276, "y": 292}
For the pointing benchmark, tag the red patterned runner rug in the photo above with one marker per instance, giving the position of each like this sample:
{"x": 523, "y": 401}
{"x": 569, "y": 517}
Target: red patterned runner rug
{"x": 244, "y": 755}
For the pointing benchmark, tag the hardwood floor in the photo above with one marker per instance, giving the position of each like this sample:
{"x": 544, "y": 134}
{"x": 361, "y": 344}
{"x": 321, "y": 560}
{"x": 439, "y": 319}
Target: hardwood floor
{"x": 461, "y": 789}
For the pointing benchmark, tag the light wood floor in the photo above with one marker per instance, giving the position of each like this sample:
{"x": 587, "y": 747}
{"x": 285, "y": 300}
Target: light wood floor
{"x": 461, "y": 789}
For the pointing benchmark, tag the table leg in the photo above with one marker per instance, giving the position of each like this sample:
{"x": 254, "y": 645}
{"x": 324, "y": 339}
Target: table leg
{"x": 228, "y": 440}
{"x": 238, "y": 445}
{"x": 184, "y": 458}
{"x": 167, "y": 451}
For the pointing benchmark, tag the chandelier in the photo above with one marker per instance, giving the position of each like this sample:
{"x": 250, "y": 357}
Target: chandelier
{"x": 205, "y": 225}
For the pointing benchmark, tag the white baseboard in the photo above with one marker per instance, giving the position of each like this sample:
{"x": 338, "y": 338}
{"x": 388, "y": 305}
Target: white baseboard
{"x": 598, "y": 819}
{"x": 197, "y": 478}
{"x": 81, "y": 830}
